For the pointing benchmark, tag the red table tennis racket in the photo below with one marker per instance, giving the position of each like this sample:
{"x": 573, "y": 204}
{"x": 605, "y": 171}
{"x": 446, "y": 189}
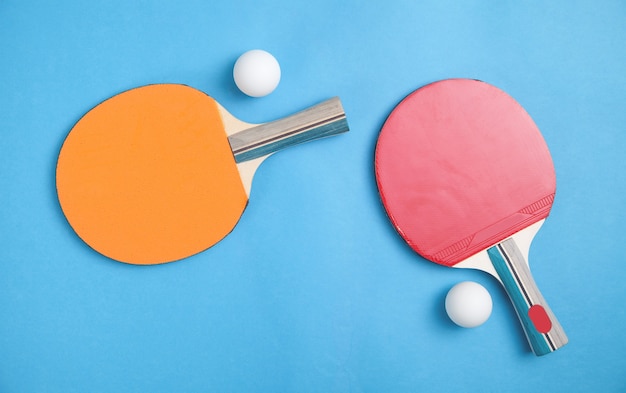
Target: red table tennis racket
{"x": 467, "y": 180}
{"x": 161, "y": 172}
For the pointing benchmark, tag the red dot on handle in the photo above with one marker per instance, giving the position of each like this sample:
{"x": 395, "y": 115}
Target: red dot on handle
{"x": 540, "y": 319}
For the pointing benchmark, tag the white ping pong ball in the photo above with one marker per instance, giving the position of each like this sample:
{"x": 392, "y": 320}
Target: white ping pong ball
{"x": 468, "y": 304}
{"x": 256, "y": 73}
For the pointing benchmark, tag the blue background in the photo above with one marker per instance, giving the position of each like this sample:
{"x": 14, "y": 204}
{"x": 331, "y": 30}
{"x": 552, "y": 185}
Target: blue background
{"x": 313, "y": 291}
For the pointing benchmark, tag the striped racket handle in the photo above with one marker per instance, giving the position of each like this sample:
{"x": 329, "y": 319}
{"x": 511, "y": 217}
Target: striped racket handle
{"x": 543, "y": 330}
{"x": 322, "y": 120}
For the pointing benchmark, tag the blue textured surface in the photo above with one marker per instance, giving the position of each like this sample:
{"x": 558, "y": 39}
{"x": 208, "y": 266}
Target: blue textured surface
{"x": 313, "y": 291}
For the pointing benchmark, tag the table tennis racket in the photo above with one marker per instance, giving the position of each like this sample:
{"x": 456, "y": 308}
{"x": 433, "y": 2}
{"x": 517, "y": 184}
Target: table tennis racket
{"x": 162, "y": 172}
{"x": 467, "y": 180}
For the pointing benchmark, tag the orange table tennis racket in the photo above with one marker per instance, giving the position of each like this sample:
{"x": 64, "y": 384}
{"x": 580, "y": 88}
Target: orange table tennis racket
{"x": 467, "y": 180}
{"x": 162, "y": 172}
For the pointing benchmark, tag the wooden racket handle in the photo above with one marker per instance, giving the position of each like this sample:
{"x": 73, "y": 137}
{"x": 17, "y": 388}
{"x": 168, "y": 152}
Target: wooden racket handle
{"x": 322, "y": 120}
{"x": 543, "y": 330}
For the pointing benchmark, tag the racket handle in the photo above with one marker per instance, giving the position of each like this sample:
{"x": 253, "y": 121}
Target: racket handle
{"x": 543, "y": 330}
{"x": 319, "y": 121}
